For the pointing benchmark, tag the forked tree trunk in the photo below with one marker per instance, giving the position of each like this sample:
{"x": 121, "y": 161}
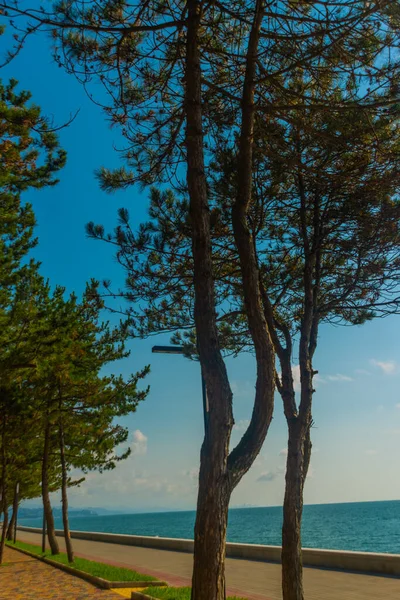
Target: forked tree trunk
{"x": 219, "y": 471}
{"x": 299, "y": 422}
{"x": 208, "y": 581}
{"x": 64, "y": 496}
{"x": 51, "y": 533}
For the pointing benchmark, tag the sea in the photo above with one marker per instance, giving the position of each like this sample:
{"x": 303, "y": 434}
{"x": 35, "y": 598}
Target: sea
{"x": 359, "y": 526}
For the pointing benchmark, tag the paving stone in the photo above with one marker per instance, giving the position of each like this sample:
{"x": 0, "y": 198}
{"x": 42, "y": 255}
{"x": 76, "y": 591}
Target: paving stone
{"x": 27, "y": 578}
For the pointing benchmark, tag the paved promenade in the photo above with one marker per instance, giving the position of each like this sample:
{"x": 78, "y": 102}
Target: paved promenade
{"x": 254, "y": 580}
{"x": 23, "y": 577}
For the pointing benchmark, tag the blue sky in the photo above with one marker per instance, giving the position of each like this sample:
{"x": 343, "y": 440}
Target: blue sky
{"x": 357, "y": 404}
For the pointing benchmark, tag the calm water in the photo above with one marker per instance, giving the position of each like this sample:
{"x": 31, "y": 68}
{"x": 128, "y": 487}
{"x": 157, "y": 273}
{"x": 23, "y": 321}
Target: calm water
{"x": 364, "y": 526}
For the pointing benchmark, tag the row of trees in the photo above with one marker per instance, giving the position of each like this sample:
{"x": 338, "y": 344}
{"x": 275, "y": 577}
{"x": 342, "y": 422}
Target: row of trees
{"x": 325, "y": 231}
{"x": 57, "y": 408}
{"x": 283, "y": 116}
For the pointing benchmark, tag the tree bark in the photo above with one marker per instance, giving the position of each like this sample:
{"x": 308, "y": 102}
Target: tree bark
{"x": 10, "y": 528}
{"x": 4, "y": 530}
{"x": 298, "y": 460}
{"x": 248, "y": 448}
{"x": 219, "y": 471}
{"x": 51, "y": 533}
{"x": 64, "y": 495}
{"x": 208, "y": 581}
{"x": 210, "y": 531}
{"x": 3, "y": 489}
{"x": 299, "y": 424}
{"x": 292, "y": 567}
{"x": 12, "y": 524}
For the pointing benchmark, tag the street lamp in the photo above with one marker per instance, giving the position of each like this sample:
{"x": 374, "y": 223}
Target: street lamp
{"x": 181, "y": 350}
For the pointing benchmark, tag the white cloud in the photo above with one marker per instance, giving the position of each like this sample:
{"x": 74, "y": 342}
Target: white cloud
{"x": 268, "y": 476}
{"x": 283, "y": 452}
{"x": 362, "y": 372}
{"x": 139, "y": 444}
{"x": 243, "y": 389}
{"x": 388, "y": 367}
{"x": 339, "y": 377}
{"x": 318, "y": 379}
{"x": 296, "y": 376}
{"x": 260, "y": 460}
{"x": 192, "y": 473}
{"x": 152, "y": 484}
{"x": 398, "y": 405}
{"x": 371, "y": 452}
{"x": 158, "y": 484}
{"x": 241, "y": 426}
{"x": 146, "y": 487}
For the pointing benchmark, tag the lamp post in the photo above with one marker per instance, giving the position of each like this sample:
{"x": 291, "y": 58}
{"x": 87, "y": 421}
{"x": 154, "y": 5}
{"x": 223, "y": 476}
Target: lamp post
{"x": 181, "y": 350}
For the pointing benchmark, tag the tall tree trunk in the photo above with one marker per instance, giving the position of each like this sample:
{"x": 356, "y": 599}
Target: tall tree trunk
{"x": 4, "y": 490}
{"x": 5, "y": 524}
{"x": 298, "y": 461}
{"x": 292, "y": 566}
{"x": 51, "y": 533}
{"x": 208, "y": 581}
{"x": 10, "y": 529}
{"x": 11, "y": 526}
{"x": 210, "y": 530}
{"x": 64, "y": 495}
{"x": 219, "y": 471}
{"x": 299, "y": 424}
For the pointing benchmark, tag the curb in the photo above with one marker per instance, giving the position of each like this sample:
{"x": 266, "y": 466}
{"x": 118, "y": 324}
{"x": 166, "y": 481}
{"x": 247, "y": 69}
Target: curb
{"x": 97, "y": 581}
{"x": 140, "y": 596}
{"x": 136, "y": 584}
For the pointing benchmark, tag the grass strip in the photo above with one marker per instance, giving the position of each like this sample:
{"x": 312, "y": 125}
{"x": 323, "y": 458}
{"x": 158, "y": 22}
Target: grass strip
{"x": 171, "y": 593}
{"x": 108, "y": 572}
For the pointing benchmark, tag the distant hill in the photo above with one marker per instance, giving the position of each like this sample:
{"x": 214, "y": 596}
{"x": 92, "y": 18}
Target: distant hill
{"x": 37, "y": 512}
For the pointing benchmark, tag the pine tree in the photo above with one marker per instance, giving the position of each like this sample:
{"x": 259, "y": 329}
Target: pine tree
{"x": 79, "y": 404}
{"x": 29, "y": 158}
{"x": 178, "y": 76}
{"x": 324, "y": 221}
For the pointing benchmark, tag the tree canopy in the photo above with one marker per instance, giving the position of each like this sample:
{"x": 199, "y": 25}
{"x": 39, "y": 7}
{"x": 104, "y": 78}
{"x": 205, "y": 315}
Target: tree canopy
{"x": 58, "y": 408}
{"x": 206, "y": 94}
